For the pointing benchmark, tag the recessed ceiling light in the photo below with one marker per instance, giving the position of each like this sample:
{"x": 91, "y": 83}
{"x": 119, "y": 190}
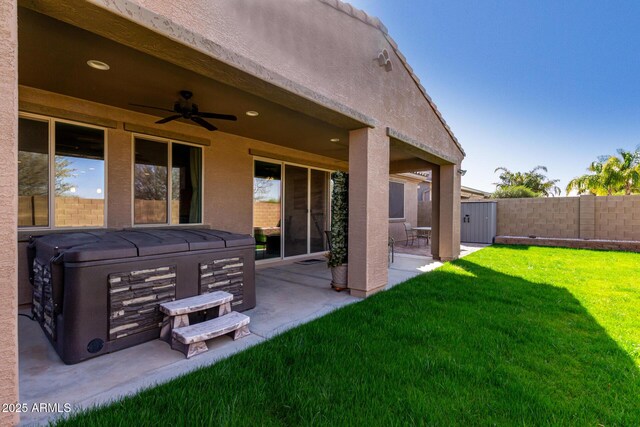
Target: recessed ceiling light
{"x": 98, "y": 65}
{"x": 335, "y": 140}
{"x": 252, "y": 113}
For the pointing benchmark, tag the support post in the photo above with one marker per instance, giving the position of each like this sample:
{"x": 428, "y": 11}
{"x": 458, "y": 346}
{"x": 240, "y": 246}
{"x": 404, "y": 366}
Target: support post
{"x": 435, "y": 212}
{"x": 9, "y": 208}
{"x": 368, "y": 211}
{"x": 449, "y": 213}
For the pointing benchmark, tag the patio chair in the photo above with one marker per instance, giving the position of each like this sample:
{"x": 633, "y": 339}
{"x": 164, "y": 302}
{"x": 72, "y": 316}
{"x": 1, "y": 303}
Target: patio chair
{"x": 410, "y": 233}
{"x": 413, "y": 235}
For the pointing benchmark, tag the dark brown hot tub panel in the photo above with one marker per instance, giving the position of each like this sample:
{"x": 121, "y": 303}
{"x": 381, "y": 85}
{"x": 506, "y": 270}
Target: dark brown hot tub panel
{"x": 98, "y": 292}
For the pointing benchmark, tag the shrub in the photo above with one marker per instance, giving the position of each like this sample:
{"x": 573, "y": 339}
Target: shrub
{"x": 339, "y": 219}
{"x": 514, "y": 192}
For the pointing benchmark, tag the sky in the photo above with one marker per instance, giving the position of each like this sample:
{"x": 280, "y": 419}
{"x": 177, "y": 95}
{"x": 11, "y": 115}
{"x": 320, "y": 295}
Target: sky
{"x": 87, "y": 177}
{"x": 525, "y": 83}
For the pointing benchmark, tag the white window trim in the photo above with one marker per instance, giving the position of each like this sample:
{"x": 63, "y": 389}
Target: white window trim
{"x": 404, "y": 202}
{"x": 169, "y": 143}
{"x": 51, "y": 121}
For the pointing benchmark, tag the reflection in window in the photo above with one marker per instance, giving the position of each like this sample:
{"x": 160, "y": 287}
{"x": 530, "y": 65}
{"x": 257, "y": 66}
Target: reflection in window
{"x": 319, "y": 209}
{"x": 33, "y": 173}
{"x": 150, "y": 182}
{"x": 267, "y": 199}
{"x": 79, "y": 176}
{"x": 186, "y": 176}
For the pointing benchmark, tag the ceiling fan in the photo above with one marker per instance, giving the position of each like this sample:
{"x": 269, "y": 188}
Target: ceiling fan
{"x": 186, "y": 109}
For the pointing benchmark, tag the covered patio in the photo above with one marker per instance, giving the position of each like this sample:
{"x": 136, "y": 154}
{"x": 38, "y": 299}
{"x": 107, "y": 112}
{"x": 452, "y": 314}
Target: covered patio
{"x": 88, "y": 97}
{"x": 288, "y": 295}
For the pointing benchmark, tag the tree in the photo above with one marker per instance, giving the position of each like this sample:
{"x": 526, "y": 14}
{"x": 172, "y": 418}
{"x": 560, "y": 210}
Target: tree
{"x": 513, "y": 192}
{"x": 64, "y": 171}
{"x": 610, "y": 175}
{"x": 534, "y": 180}
{"x": 150, "y": 182}
{"x": 261, "y": 188}
{"x": 33, "y": 174}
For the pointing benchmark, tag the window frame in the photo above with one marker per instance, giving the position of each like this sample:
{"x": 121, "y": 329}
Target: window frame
{"x": 404, "y": 213}
{"x": 283, "y": 163}
{"x": 169, "y": 143}
{"x": 51, "y": 205}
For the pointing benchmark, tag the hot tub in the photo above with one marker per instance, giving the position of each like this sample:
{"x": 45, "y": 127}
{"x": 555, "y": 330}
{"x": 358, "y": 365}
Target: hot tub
{"x": 98, "y": 292}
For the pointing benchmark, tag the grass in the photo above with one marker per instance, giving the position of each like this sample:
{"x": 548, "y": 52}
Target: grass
{"x": 505, "y": 336}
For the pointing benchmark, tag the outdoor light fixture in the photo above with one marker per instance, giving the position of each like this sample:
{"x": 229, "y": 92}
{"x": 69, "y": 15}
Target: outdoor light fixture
{"x": 98, "y": 65}
{"x": 384, "y": 60}
{"x": 335, "y": 140}
{"x": 462, "y": 172}
{"x": 252, "y": 113}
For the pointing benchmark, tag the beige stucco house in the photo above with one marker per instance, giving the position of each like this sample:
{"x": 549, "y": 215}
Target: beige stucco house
{"x": 316, "y": 86}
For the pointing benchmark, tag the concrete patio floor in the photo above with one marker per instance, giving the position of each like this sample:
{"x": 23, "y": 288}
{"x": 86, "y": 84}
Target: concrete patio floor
{"x": 287, "y": 295}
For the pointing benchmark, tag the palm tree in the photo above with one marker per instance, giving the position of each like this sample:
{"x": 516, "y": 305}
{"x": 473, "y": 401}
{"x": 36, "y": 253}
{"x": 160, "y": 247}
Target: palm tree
{"x": 629, "y": 170}
{"x": 610, "y": 175}
{"x": 533, "y": 180}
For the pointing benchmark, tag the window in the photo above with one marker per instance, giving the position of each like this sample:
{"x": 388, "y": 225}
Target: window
{"x": 70, "y": 182}
{"x": 153, "y": 189}
{"x": 396, "y": 200}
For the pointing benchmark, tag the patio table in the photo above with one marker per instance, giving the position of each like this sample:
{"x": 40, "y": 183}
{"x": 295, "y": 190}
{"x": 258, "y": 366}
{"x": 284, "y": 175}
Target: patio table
{"x": 423, "y": 232}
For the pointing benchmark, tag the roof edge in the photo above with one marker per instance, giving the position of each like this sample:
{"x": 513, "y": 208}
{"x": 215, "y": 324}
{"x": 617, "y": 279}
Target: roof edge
{"x": 376, "y": 23}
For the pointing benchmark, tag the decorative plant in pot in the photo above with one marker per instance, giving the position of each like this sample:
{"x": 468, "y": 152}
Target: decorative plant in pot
{"x": 337, "y": 256}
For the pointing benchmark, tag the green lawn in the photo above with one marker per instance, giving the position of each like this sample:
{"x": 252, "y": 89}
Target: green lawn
{"x": 505, "y": 336}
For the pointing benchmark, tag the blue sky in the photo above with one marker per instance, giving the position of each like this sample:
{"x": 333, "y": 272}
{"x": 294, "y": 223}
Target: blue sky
{"x": 87, "y": 178}
{"x": 525, "y": 83}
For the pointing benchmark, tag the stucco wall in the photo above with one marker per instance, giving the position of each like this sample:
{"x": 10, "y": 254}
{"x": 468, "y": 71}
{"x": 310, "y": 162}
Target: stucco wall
{"x": 307, "y": 42}
{"x": 396, "y": 228}
{"x": 228, "y": 169}
{"x": 8, "y": 208}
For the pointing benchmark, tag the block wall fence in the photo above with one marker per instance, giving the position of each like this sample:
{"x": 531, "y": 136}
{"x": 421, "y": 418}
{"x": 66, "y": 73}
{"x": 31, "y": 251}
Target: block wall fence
{"x": 584, "y": 217}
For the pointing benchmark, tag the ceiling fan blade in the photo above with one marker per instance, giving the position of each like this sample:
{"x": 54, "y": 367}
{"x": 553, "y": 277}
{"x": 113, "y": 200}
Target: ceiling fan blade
{"x": 151, "y": 106}
{"x": 218, "y": 116}
{"x": 205, "y": 124}
{"x": 169, "y": 119}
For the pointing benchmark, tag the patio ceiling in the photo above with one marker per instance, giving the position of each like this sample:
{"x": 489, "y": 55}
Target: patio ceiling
{"x": 53, "y": 56}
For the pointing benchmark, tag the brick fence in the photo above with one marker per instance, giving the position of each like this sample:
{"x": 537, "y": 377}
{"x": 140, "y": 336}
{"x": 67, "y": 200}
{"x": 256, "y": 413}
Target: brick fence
{"x": 79, "y": 212}
{"x": 266, "y": 214}
{"x": 584, "y": 217}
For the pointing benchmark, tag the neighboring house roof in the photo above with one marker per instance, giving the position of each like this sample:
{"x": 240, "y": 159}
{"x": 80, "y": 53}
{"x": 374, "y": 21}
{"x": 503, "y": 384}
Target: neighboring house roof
{"x": 424, "y": 174}
{"x": 427, "y": 178}
{"x": 376, "y": 23}
{"x": 474, "y": 191}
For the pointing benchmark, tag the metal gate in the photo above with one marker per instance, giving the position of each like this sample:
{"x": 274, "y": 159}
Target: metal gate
{"x": 478, "y": 222}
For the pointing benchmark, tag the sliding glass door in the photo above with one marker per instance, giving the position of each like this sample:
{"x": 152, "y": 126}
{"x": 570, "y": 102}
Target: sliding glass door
{"x": 318, "y": 209}
{"x": 290, "y": 209}
{"x": 267, "y": 209}
{"x": 296, "y": 206}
